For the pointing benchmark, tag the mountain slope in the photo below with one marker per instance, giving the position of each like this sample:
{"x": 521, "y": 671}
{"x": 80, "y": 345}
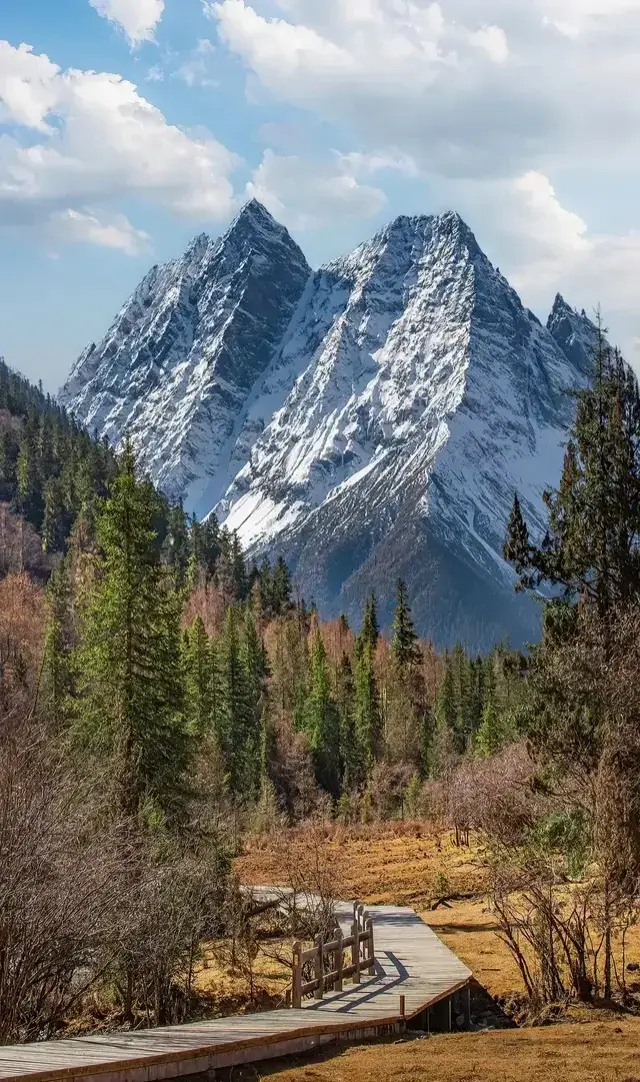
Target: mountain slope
{"x": 177, "y": 366}
{"x": 427, "y": 396}
{"x": 368, "y": 421}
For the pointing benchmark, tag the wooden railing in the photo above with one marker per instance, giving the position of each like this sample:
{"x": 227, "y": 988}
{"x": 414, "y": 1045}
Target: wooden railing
{"x": 329, "y": 962}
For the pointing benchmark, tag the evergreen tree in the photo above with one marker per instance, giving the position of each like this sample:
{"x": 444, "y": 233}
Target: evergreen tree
{"x": 406, "y": 696}
{"x": 446, "y": 716}
{"x": 367, "y": 711}
{"x": 177, "y": 544}
{"x": 239, "y": 736}
{"x": 57, "y": 668}
{"x": 323, "y": 721}
{"x": 370, "y": 631}
{"x": 350, "y": 754}
{"x": 404, "y": 643}
{"x": 239, "y": 570}
{"x": 132, "y": 711}
{"x": 281, "y": 587}
{"x": 592, "y": 548}
{"x": 198, "y": 679}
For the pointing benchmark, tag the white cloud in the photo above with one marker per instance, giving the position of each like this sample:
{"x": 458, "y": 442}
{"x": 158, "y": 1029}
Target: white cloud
{"x": 493, "y": 103}
{"x": 306, "y": 194}
{"x": 493, "y": 41}
{"x": 84, "y": 227}
{"x": 367, "y": 164}
{"x": 469, "y": 88}
{"x": 138, "y": 18}
{"x": 543, "y": 247}
{"x": 196, "y": 69}
{"x": 96, "y": 141}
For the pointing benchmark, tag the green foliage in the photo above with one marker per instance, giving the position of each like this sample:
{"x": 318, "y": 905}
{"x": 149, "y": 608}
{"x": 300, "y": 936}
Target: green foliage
{"x": 51, "y": 470}
{"x": 404, "y": 641}
{"x": 567, "y": 833}
{"x": 323, "y": 721}
{"x": 592, "y": 548}
{"x": 131, "y": 714}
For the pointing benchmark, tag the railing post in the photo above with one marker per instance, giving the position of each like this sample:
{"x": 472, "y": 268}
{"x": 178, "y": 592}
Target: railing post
{"x": 296, "y": 984}
{"x": 370, "y": 948}
{"x": 355, "y": 951}
{"x": 319, "y": 969}
{"x": 339, "y": 961}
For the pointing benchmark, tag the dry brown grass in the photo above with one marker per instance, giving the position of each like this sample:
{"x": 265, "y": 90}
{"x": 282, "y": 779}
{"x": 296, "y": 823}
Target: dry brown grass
{"x": 388, "y": 863}
{"x": 604, "y": 1052}
{"x": 228, "y": 987}
{"x": 404, "y": 864}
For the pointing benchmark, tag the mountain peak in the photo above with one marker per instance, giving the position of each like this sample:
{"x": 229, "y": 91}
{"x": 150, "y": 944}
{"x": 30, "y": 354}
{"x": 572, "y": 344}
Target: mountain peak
{"x": 574, "y": 332}
{"x": 254, "y": 214}
{"x": 560, "y": 306}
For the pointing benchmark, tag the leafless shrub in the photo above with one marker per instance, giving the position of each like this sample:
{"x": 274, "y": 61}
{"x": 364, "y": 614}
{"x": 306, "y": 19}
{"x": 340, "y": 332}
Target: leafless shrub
{"x": 63, "y": 888}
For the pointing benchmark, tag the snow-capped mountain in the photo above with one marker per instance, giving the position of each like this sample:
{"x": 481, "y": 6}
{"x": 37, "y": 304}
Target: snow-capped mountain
{"x": 178, "y": 364}
{"x": 575, "y": 333}
{"x": 380, "y": 412}
{"x": 426, "y": 396}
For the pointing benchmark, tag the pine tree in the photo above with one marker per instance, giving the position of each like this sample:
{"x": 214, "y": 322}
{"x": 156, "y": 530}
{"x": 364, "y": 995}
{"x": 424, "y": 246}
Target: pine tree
{"x": 57, "y": 668}
{"x": 592, "y": 548}
{"x": 323, "y": 721}
{"x": 237, "y": 728}
{"x": 406, "y": 695}
{"x": 132, "y": 709}
{"x": 55, "y": 525}
{"x": 404, "y": 643}
{"x": 367, "y": 711}
{"x": 350, "y": 755}
{"x": 281, "y": 587}
{"x": 239, "y": 570}
{"x": 198, "y": 679}
{"x": 177, "y": 544}
{"x": 446, "y": 715}
{"x": 370, "y": 632}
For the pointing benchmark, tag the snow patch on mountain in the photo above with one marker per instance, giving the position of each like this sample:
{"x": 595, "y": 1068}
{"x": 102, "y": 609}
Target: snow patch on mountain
{"x": 176, "y": 369}
{"x": 370, "y": 420}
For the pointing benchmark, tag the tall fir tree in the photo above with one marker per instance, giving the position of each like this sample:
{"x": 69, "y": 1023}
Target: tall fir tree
{"x": 592, "y": 547}
{"x": 57, "y": 685}
{"x": 367, "y": 708}
{"x": 132, "y": 708}
{"x": 323, "y": 721}
{"x": 239, "y": 736}
{"x": 198, "y": 679}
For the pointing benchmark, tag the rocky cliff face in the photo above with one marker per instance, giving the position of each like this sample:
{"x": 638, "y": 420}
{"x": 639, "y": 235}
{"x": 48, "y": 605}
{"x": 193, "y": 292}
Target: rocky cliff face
{"x": 426, "y": 396}
{"x": 369, "y": 421}
{"x": 177, "y": 366}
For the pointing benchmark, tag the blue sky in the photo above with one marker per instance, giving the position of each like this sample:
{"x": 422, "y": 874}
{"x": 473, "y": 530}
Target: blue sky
{"x": 126, "y": 126}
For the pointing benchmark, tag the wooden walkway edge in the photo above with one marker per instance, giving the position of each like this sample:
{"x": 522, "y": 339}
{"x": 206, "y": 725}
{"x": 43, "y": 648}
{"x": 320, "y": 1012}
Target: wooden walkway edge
{"x": 412, "y": 963}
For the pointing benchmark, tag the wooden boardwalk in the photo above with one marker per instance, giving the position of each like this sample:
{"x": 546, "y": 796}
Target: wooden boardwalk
{"x": 412, "y": 962}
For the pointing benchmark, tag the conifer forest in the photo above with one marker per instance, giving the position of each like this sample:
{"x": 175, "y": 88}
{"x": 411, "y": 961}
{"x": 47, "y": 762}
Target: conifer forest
{"x": 162, "y": 696}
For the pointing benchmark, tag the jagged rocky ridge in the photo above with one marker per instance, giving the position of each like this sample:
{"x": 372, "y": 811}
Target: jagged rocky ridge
{"x": 180, "y": 360}
{"x": 370, "y": 420}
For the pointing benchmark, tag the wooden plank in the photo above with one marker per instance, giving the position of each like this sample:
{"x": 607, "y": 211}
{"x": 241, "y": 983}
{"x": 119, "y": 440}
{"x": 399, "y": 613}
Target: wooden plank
{"x": 410, "y": 961}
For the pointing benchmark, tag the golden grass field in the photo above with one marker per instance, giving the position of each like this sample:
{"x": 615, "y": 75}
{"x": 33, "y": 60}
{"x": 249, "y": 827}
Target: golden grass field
{"x": 408, "y": 864}
{"x": 405, "y": 864}
{"x": 402, "y": 864}
{"x": 602, "y": 1052}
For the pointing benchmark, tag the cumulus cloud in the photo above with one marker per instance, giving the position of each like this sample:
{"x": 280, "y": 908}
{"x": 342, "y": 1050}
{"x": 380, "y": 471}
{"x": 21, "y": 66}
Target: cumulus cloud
{"x": 471, "y": 89}
{"x": 490, "y": 102}
{"x": 88, "y": 140}
{"x": 84, "y": 227}
{"x": 138, "y": 18}
{"x": 544, "y": 247}
{"x": 304, "y": 193}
